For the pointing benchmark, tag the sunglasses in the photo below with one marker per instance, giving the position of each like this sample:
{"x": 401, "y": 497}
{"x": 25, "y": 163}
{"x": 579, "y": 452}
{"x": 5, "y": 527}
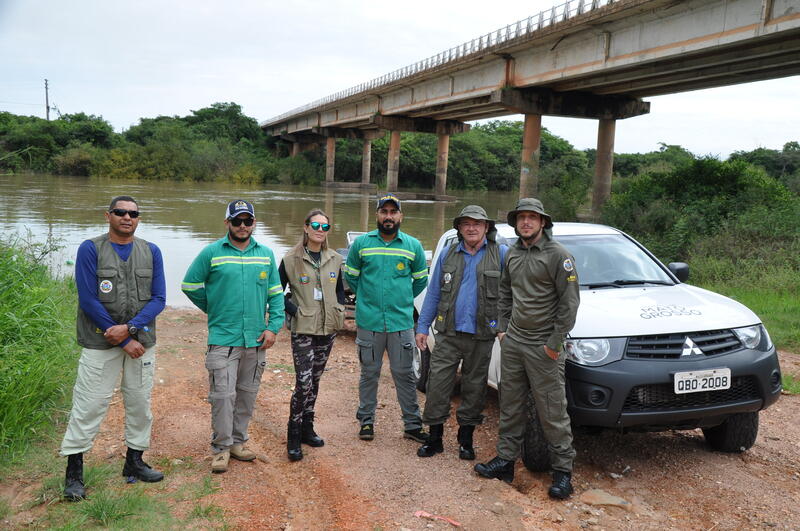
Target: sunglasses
{"x": 120, "y": 213}
{"x": 236, "y": 222}
{"x": 316, "y": 225}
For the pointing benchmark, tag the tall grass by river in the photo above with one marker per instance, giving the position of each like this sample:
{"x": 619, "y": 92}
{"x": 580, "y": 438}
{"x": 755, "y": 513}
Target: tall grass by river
{"x": 38, "y": 352}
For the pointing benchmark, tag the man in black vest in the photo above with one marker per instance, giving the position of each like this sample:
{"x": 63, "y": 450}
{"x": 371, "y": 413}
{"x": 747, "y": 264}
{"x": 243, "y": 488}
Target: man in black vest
{"x": 121, "y": 290}
{"x": 461, "y": 302}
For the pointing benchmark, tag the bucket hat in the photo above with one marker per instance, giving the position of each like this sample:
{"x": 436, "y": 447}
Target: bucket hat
{"x": 529, "y": 204}
{"x": 475, "y": 212}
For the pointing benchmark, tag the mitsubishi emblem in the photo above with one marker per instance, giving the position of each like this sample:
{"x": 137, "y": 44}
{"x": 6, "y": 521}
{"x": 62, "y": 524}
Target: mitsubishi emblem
{"x": 690, "y": 348}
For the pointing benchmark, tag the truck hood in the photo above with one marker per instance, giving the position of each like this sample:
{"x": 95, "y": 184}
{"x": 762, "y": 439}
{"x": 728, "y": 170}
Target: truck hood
{"x": 635, "y": 311}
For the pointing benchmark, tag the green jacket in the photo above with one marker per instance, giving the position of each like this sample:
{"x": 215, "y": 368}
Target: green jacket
{"x": 539, "y": 293}
{"x": 236, "y": 289}
{"x": 385, "y": 278}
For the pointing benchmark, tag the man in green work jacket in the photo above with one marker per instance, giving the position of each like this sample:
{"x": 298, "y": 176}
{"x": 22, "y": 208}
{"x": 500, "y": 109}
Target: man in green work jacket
{"x": 235, "y": 281}
{"x": 539, "y": 298}
{"x": 386, "y": 269}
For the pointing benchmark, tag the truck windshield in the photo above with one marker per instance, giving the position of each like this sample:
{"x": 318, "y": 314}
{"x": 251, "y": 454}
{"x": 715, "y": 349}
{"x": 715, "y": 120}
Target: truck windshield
{"x": 612, "y": 260}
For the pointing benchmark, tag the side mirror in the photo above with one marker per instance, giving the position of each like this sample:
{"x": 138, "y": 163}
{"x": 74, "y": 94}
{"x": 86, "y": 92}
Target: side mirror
{"x": 680, "y": 270}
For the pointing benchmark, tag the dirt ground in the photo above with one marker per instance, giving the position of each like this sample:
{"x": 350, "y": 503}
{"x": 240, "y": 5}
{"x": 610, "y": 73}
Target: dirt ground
{"x": 664, "y": 481}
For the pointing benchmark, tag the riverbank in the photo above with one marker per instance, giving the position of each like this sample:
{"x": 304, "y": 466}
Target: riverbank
{"x": 670, "y": 480}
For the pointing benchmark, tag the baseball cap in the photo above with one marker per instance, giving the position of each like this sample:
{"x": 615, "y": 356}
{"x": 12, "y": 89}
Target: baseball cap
{"x": 383, "y": 199}
{"x": 240, "y": 206}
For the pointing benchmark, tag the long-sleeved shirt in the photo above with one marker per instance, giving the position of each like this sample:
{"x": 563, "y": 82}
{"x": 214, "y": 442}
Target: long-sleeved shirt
{"x": 467, "y": 298}
{"x": 539, "y": 293}
{"x": 86, "y": 282}
{"x": 236, "y": 288}
{"x": 385, "y": 278}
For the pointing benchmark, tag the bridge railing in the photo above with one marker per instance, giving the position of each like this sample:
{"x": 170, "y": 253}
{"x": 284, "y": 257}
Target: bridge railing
{"x": 506, "y": 34}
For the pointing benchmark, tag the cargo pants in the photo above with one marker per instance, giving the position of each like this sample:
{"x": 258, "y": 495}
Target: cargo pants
{"x": 234, "y": 376}
{"x": 400, "y": 348}
{"x": 524, "y": 367}
{"x": 98, "y": 372}
{"x": 310, "y": 354}
{"x": 474, "y": 356}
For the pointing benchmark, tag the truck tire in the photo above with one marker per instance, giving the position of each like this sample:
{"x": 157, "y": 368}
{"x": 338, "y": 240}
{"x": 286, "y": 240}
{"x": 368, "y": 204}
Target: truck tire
{"x": 535, "y": 451}
{"x": 737, "y": 434}
{"x": 422, "y": 367}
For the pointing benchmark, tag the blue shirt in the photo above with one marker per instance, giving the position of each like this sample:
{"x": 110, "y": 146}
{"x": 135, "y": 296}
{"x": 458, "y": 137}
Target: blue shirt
{"x": 467, "y": 298}
{"x": 86, "y": 281}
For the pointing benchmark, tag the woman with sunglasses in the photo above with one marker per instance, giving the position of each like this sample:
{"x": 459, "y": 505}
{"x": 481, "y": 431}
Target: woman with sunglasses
{"x": 315, "y": 304}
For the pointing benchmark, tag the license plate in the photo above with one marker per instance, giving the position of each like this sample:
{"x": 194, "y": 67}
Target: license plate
{"x": 697, "y": 381}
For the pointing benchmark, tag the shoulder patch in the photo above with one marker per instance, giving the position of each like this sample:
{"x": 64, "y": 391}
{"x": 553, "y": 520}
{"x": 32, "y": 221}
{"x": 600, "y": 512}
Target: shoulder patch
{"x": 568, "y": 266}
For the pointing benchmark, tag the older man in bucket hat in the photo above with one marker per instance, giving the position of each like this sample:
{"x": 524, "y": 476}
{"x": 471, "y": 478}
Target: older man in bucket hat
{"x": 461, "y": 302}
{"x": 539, "y": 298}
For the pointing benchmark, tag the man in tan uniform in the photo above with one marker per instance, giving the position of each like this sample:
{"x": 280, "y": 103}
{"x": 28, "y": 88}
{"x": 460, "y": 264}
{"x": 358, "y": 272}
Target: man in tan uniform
{"x": 539, "y": 298}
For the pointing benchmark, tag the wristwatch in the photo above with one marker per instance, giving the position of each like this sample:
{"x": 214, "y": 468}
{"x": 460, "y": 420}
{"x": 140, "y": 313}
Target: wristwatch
{"x": 132, "y": 330}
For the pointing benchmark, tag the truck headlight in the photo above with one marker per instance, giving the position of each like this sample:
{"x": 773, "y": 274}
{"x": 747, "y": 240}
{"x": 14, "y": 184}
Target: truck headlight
{"x": 595, "y": 351}
{"x": 754, "y": 337}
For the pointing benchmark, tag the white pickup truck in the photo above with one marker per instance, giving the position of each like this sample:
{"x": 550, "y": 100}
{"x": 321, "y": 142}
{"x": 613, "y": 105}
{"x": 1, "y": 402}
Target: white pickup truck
{"x": 648, "y": 352}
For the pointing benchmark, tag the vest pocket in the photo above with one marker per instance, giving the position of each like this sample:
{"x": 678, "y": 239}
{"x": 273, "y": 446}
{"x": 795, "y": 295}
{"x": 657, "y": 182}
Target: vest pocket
{"x": 338, "y": 317}
{"x": 106, "y": 285}
{"x": 492, "y": 280}
{"x": 308, "y": 320}
{"x": 144, "y": 283}
{"x": 440, "y": 321}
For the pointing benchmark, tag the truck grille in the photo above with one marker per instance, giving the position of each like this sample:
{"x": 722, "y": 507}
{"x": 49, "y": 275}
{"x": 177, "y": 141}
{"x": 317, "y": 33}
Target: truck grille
{"x": 671, "y": 346}
{"x": 662, "y": 397}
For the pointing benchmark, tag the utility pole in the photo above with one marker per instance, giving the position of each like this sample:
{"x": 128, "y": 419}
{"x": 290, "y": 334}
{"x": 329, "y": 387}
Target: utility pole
{"x": 46, "y": 100}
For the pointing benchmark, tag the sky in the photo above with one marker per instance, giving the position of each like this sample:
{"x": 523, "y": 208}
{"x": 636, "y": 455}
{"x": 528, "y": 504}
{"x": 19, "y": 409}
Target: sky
{"x": 126, "y": 60}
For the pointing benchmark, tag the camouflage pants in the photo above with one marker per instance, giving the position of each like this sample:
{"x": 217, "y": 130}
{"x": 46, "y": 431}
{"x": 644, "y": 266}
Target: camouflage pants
{"x": 310, "y": 355}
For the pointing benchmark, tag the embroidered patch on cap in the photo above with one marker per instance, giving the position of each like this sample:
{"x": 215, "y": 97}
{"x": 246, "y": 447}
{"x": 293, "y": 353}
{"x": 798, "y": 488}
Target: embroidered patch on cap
{"x": 568, "y": 266}
{"x": 106, "y": 286}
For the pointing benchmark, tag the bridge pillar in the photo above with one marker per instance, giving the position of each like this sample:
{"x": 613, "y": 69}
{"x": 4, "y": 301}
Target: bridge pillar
{"x": 295, "y": 149}
{"x": 531, "y": 149}
{"x": 442, "y": 151}
{"x": 604, "y": 165}
{"x": 330, "y": 158}
{"x": 366, "y": 161}
{"x": 394, "y": 162}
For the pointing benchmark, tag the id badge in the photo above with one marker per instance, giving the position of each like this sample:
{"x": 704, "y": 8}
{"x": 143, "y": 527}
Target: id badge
{"x": 317, "y": 294}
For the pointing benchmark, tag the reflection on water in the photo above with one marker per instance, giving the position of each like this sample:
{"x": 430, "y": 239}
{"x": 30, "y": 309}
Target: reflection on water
{"x": 182, "y": 217}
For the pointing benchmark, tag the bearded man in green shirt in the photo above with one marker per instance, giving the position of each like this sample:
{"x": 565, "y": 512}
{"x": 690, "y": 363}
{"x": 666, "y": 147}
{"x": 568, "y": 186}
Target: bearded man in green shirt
{"x": 236, "y": 282}
{"x": 386, "y": 269}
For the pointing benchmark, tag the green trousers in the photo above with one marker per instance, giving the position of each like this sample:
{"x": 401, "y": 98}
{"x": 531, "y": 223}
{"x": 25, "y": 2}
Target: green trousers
{"x": 98, "y": 373}
{"x": 474, "y": 356}
{"x": 526, "y": 367}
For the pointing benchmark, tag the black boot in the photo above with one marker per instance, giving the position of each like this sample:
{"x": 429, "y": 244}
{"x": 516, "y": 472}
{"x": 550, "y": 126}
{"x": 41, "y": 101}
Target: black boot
{"x": 465, "y": 449}
{"x": 293, "y": 436}
{"x": 309, "y": 437}
{"x": 562, "y": 485}
{"x": 73, "y": 485}
{"x": 497, "y": 468}
{"x": 434, "y": 445}
{"x": 135, "y": 467}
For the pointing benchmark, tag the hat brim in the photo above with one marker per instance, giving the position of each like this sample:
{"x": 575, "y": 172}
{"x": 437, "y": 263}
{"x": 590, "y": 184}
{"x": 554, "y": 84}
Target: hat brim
{"x": 512, "y": 217}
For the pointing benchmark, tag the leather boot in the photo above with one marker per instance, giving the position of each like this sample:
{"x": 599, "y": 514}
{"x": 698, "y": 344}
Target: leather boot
{"x": 135, "y": 467}
{"x": 73, "y": 484}
{"x": 293, "y": 436}
{"x": 497, "y": 468}
{"x": 309, "y": 437}
{"x": 434, "y": 445}
{"x": 465, "y": 449}
{"x": 562, "y": 485}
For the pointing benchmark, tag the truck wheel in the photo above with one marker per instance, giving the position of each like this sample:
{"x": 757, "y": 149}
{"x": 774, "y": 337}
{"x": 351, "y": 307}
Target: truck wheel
{"x": 535, "y": 452}
{"x": 422, "y": 363}
{"x": 737, "y": 434}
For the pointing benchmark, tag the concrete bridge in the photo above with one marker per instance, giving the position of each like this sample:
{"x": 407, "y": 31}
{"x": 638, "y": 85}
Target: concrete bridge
{"x": 591, "y": 59}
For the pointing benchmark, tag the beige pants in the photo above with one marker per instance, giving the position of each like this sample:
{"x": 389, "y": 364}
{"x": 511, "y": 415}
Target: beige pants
{"x": 98, "y": 373}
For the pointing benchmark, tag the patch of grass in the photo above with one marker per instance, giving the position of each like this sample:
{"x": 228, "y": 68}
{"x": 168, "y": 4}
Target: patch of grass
{"x": 283, "y": 367}
{"x": 791, "y": 384}
{"x": 207, "y": 511}
{"x": 106, "y": 509}
{"x": 5, "y": 508}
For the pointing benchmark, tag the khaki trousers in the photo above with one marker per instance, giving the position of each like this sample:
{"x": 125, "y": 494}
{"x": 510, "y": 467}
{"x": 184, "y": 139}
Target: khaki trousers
{"x": 524, "y": 367}
{"x": 234, "y": 376}
{"x": 474, "y": 356}
{"x": 98, "y": 373}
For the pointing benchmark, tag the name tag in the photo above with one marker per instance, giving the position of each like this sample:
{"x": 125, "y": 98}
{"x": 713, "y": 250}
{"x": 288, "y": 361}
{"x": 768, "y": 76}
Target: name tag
{"x": 317, "y": 294}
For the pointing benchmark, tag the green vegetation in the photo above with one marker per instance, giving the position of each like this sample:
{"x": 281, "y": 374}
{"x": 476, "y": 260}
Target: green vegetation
{"x": 38, "y": 353}
{"x": 791, "y": 384}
